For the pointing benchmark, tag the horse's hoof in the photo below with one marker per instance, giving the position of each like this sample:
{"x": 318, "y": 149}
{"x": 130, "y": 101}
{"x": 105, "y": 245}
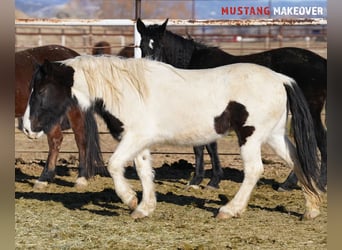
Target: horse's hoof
{"x": 212, "y": 187}
{"x": 311, "y": 215}
{"x": 196, "y": 187}
{"x": 133, "y": 203}
{"x": 223, "y": 216}
{"x": 81, "y": 183}
{"x": 285, "y": 187}
{"x": 138, "y": 215}
{"x": 40, "y": 184}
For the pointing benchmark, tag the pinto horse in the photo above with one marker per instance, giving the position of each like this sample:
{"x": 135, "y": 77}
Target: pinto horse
{"x": 307, "y": 68}
{"x": 88, "y": 146}
{"x": 250, "y": 99}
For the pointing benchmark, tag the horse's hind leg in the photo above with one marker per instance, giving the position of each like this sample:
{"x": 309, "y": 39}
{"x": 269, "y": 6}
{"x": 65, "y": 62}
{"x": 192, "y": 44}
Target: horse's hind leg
{"x": 289, "y": 184}
{"x": 146, "y": 175}
{"x": 216, "y": 165}
{"x": 287, "y": 151}
{"x": 321, "y": 138}
{"x": 55, "y": 138}
{"x": 199, "y": 167}
{"x": 253, "y": 168}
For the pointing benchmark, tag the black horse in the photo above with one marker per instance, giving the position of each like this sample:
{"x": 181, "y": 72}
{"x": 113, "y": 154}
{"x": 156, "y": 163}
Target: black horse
{"x": 307, "y": 68}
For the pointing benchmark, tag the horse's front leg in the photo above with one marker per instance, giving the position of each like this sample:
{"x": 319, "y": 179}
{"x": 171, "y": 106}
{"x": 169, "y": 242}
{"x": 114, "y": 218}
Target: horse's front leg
{"x": 127, "y": 149}
{"x": 146, "y": 175}
{"x": 55, "y": 138}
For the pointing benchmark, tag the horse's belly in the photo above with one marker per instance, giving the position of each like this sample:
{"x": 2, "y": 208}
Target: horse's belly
{"x": 192, "y": 137}
{"x": 185, "y": 129}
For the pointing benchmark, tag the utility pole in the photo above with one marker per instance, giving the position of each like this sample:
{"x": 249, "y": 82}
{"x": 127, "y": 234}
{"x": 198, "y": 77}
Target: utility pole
{"x": 137, "y": 38}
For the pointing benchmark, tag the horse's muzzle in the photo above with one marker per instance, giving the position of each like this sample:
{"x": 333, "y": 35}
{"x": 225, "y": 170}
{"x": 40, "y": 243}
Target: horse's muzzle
{"x": 32, "y": 135}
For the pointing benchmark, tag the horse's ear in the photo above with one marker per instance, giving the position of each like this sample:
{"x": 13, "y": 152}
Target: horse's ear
{"x": 141, "y": 26}
{"x": 36, "y": 66}
{"x": 65, "y": 75}
{"x": 46, "y": 66}
{"x": 163, "y": 26}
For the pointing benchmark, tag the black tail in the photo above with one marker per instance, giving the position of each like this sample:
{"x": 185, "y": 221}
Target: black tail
{"x": 304, "y": 138}
{"x": 94, "y": 161}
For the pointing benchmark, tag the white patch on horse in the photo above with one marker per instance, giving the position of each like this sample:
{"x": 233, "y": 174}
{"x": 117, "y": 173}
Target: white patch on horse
{"x": 27, "y": 125}
{"x": 150, "y": 43}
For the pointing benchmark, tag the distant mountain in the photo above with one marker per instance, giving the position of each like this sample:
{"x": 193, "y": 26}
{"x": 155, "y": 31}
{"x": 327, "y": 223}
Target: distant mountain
{"x": 31, "y": 6}
{"x": 40, "y": 8}
{"x": 103, "y": 9}
{"x": 59, "y": 8}
{"x": 20, "y": 14}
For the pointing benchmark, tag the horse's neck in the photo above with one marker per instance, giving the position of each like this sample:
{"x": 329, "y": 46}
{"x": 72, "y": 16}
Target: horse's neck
{"x": 177, "y": 50}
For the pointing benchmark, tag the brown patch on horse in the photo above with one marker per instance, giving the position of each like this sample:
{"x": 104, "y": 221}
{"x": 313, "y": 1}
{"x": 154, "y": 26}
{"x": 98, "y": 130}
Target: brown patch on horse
{"x": 234, "y": 117}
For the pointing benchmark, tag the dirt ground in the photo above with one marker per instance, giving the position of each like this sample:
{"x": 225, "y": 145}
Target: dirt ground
{"x": 63, "y": 217}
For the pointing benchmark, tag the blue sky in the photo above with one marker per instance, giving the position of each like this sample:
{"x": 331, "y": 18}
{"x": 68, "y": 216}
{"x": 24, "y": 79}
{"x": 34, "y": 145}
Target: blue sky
{"x": 204, "y": 9}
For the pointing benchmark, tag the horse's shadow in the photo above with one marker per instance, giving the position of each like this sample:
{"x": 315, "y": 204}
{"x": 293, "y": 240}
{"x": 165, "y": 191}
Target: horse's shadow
{"x": 184, "y": 170}
{"x": 61, "y": 170}
{"x": 105, "y": 198}
{"x": 78, "y": 200}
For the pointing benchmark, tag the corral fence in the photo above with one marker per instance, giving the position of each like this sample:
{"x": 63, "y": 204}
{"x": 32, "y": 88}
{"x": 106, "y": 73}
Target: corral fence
{"x": 234, "y": 36}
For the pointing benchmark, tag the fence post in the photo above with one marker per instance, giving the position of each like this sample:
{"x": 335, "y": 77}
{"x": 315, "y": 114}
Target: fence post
{"x": 137, "y": 38}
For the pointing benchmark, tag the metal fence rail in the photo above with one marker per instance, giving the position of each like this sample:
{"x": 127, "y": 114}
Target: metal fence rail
{"x": 93, "y": 23}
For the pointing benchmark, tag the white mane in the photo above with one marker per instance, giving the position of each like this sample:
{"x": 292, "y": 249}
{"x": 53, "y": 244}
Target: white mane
{"x": 108, "y": 76}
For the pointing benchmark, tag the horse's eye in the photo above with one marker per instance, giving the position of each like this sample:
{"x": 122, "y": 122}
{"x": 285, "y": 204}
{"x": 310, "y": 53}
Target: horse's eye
{"x": 41, "y": 91}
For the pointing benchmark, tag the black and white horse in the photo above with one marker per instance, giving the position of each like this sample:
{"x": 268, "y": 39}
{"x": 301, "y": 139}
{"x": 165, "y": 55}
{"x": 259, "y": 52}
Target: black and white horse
{"x": 307, "y": 68}
{"x": 157, "y": 103}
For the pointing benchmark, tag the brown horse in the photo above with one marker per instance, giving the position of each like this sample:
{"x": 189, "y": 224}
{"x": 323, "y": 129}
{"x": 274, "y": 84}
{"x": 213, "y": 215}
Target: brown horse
{"x": 88, "y": 146}
{"x": 127, "y": 51}
{"x": 101, "y": 48}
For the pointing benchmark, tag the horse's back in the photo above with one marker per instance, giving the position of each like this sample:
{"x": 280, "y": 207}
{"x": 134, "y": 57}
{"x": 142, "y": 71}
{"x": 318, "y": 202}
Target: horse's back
{"x": 52, "y": 53}
{"x": 243, "y": 82}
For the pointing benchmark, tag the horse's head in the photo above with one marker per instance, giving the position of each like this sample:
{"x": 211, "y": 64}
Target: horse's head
{"x": 49, "y": 99}
{"x": 152, "y": 39}
{"x": 101, "y": 48}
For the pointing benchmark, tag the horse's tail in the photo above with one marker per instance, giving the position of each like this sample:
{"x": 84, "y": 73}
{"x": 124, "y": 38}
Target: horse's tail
{"x": 305, "y": 139}
{"x": 94, "y": 162}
